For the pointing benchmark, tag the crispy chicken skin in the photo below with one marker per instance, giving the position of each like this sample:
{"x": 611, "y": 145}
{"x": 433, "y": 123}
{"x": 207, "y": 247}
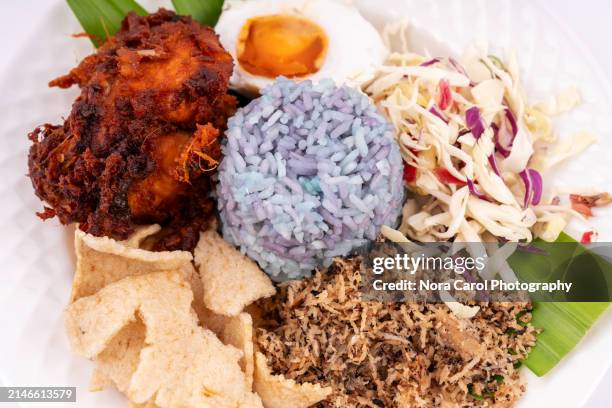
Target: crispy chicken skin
{"x": 142, "y": 137}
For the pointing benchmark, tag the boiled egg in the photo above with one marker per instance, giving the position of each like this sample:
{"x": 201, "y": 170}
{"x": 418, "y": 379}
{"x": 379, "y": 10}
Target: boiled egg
{"x": 299, "y": 39}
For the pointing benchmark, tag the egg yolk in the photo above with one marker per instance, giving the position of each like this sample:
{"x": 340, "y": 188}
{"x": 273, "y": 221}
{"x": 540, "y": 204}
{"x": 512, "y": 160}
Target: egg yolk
{"x": 286, "y": 45}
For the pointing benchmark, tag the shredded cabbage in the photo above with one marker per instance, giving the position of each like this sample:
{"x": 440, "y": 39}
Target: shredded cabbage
{"x": 478, "y": 146}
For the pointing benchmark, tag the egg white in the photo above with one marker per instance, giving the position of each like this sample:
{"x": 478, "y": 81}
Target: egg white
{"x": 355, "y": 49}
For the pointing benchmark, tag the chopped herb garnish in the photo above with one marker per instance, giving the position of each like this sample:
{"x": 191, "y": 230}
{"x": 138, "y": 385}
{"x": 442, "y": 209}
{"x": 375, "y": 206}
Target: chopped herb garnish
{"x": 486, "y": 393}
{"x": 519, "y": 316}
{"x": 470, "y": 388}
{"x": 498, "y": 378}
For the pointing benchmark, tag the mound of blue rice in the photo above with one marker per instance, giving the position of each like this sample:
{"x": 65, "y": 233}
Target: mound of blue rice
{"x": 309, "y": 172}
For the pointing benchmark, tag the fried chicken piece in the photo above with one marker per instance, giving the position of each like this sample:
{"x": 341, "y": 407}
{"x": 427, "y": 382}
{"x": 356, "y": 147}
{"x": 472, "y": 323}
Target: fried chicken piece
{"x": 163, "y": 66}
{"x": 179, "y": 157}
{"x": 142, "y": 137}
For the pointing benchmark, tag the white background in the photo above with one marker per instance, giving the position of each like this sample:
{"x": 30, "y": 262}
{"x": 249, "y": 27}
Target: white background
{"x": 588, "y": 19}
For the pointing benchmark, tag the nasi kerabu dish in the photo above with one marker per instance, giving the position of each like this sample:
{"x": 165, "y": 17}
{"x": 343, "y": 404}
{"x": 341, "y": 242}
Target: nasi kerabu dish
{"x": 203, "y": 166}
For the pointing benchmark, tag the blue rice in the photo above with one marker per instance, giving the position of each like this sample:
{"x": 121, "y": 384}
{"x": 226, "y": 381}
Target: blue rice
{"x": 309, "y": 172}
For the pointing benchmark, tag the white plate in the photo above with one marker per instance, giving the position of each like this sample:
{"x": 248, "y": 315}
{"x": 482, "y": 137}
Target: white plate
{"x": 37, "y": 257}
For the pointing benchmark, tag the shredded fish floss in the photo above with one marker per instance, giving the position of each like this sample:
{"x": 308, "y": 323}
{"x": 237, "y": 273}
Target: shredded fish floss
{"x": 379, "y": 354}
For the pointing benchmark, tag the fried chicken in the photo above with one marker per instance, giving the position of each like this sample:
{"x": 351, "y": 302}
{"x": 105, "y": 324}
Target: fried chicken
{"x": 142, "y": 137}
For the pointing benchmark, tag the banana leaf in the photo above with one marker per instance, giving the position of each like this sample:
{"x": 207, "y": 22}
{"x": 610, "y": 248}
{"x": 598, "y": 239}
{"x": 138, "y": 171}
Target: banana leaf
{"x": 102, "y": 18}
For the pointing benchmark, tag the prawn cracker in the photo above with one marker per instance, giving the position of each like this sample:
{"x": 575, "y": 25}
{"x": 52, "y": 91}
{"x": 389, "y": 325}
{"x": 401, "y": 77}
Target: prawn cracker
{"x": 116, "y": 364}
{"x": 276, "y": 391}
{"x": 182, "y": 364}
{"x": 235, "y": 331}
{"x": 231, "y": 280}
{"x": 102, "y": 260}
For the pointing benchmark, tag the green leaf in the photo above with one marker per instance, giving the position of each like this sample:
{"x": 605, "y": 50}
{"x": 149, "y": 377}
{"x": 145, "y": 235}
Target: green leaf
{"x": 102, "y": 18}
{"x": 563, "y": 324}
{"x": 206, "y": 12}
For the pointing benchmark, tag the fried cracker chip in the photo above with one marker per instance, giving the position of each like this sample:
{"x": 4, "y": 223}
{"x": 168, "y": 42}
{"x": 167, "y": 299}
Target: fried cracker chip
{"x": 276, "y": 391}
{"x": 235, "y": 331}
{"x": 118, "y": 361}
{"x": 102, "y": 260}
{"x": 99, "y": 381}
{"x": 145, "y": 405}
{"x": 135, "y": 240}
{"x": 231, "y": 280}
{"x": 181, "y": 364}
